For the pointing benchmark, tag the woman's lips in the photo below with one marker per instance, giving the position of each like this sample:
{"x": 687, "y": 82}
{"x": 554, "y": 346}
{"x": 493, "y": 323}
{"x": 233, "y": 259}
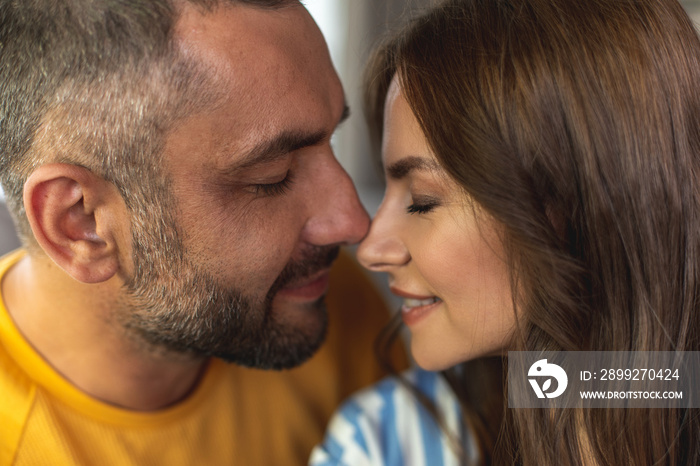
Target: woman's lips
{"x": 311, "y": 289}
{"x": 415, "y": 308}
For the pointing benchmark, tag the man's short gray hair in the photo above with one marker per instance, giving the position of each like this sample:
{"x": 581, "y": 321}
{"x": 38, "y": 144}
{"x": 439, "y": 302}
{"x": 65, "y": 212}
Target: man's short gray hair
{"x": 95, "y": 83}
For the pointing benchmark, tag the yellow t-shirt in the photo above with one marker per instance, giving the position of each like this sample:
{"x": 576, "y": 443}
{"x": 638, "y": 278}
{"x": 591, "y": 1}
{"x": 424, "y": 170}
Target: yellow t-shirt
{"x": 236, "y": 416}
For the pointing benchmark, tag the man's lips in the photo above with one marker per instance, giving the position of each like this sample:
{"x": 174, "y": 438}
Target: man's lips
{"x": 308, "y": 289}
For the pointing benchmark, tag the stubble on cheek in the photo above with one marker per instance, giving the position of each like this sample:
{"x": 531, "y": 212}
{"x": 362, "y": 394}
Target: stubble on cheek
{"x": 237, "y": 244}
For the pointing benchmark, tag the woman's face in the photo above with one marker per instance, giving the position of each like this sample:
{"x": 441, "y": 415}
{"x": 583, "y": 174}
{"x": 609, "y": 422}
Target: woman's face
{"x": 443, "y": 257}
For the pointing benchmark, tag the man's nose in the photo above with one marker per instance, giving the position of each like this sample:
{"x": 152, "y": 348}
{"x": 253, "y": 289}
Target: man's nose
{"x": 383, "y": 249}
{"x": 338, "y": 217}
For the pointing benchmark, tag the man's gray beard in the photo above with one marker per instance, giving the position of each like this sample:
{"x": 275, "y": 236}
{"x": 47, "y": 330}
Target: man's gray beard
{"x": 172, "y": 304}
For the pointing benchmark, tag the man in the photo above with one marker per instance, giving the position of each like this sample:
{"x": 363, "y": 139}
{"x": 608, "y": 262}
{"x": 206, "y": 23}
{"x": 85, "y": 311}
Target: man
{"x": 169, "y": 168}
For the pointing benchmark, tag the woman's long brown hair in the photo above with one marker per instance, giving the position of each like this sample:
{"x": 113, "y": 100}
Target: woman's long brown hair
{"x": 575, "y": 124}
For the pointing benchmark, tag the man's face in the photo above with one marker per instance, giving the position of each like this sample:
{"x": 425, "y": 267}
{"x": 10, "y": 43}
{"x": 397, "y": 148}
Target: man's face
{"x": 260, "y": 202}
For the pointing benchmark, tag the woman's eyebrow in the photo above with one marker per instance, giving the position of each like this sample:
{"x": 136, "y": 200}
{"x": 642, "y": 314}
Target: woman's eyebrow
{"x": 402, "y": 168}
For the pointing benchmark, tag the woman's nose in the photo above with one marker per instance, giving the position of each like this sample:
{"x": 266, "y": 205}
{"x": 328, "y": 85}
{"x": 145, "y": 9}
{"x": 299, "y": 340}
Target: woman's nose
{"x": 383, "y": 249}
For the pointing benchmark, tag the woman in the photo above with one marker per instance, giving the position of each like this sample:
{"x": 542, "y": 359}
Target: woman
{"x": 542, "y": 160}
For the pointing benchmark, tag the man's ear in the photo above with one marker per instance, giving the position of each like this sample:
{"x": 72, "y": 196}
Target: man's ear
{"x": 73, "y": 214}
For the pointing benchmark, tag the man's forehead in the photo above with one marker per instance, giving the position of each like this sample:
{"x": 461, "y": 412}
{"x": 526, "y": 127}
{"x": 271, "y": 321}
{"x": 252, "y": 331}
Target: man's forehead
{"x": 271, "y": 72}
{"x": 243, "y": 34}
{"x": 249, "y": 52}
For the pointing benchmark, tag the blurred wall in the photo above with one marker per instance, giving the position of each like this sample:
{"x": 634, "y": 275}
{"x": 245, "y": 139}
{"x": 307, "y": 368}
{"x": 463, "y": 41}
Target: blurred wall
{"x": 693, "y": 7}
{"x": 8, "y": 237}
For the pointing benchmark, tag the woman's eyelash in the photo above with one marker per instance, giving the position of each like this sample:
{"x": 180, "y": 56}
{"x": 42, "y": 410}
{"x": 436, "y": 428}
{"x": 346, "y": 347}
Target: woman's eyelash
{"x": 422, "y": 207}
{"x": 274, "y": 189}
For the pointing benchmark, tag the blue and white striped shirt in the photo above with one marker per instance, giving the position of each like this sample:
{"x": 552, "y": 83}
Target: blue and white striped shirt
{"x": 386, "y": 425}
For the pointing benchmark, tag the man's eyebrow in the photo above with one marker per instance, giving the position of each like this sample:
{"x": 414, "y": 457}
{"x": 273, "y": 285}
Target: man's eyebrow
{"x": 282, "y": 144}
{"x": 402, "y": 168}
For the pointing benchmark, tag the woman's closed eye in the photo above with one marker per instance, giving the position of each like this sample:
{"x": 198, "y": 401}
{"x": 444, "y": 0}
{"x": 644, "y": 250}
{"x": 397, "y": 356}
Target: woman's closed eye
{"x": 422, "y": 205}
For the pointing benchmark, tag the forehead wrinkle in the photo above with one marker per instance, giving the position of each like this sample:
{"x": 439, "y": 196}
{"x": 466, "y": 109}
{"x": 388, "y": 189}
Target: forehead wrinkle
{"x": 277, "y": 147}
{"x": 402, "y": 168}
